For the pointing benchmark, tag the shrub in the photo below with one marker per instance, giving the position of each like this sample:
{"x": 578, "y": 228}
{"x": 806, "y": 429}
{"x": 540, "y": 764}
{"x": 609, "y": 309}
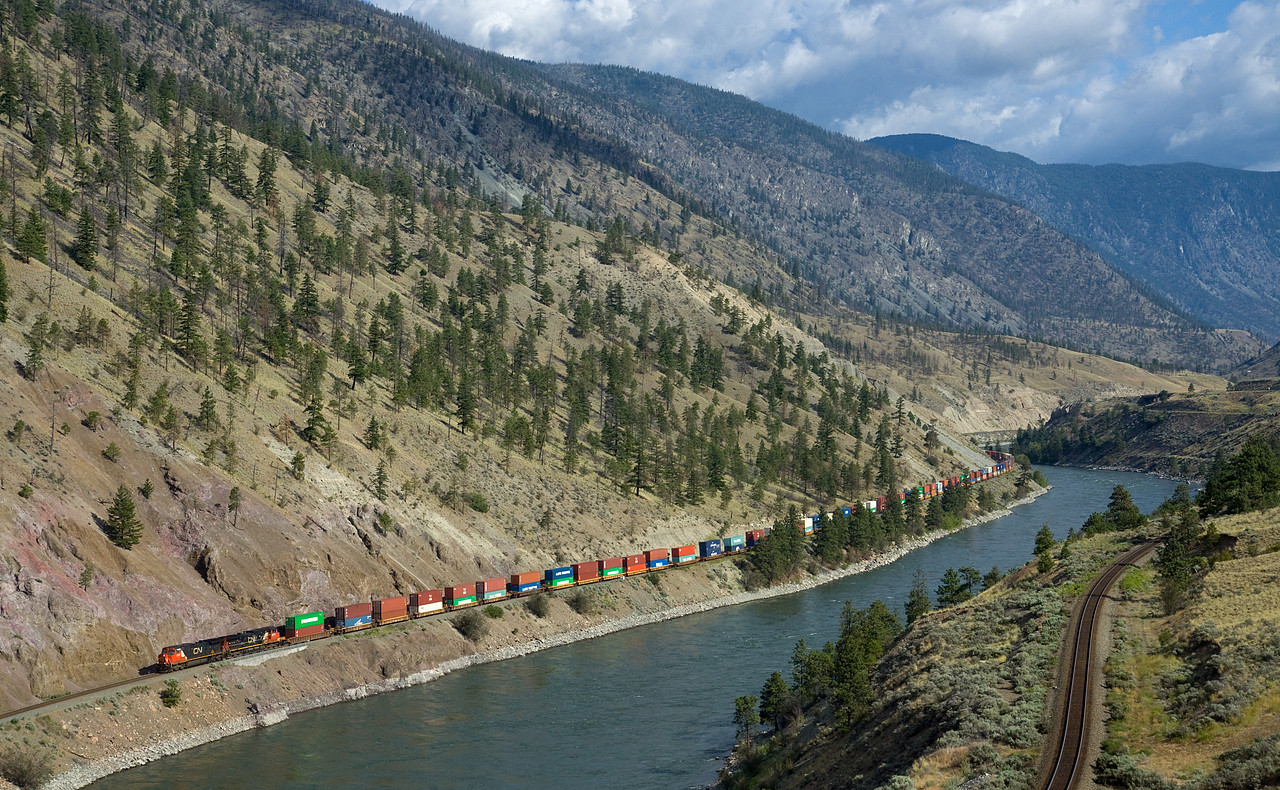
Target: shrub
{"x": 581, "y": 601}
{"x": 493, "y": 612}
{"x": 539, "y": 605}
{"x": 471, "y": 624}
{"x": 92, "y": 421}
{"x": 26, "y": 766}
{"x": 477, "y": 502}
{"x": 171, "y": 694}
{"x": 26, "y": 491}
{"x": 112, "y": 453}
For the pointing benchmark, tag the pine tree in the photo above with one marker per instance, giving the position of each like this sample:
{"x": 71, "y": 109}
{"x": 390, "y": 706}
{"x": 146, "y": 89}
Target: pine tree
{"x": 952, "y": 589}
{"x": 31, "y": 237}
{"x": 85, "y": 249}
{"x": 918, "y": 599}
{"x": 208, "y": 417}
{"x": 37, "y": 338}
{"x": 373, "y": 434}
{"x": 123, "y": 527}
{"x": 380, "y": 478}
{"x": 317, "y": 426}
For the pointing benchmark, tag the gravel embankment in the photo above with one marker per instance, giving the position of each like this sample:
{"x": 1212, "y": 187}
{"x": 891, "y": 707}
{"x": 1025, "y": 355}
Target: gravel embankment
{"x": 83, "y": 775}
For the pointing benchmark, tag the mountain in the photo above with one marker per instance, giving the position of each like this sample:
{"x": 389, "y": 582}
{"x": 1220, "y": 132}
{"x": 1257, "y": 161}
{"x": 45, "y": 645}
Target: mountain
{"x": 348, "y": 309}
{"x": 1203, "y": 237}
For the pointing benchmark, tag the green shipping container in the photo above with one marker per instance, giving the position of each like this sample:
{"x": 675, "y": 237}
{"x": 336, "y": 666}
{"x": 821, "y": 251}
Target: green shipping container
{"x": 611, "y": 572}
{"x": 461, "y": 601}
{"x": 300, "y": 621}
{"x": 560, "y": 582}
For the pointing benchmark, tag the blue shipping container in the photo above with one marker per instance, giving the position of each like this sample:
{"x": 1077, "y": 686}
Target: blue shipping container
{"x": 556, "y": 574}
{"x": 709, "y": 548}
{"x": 525, "y": 587}
{"x": 662, "y": 563}
{"x": 846, "y": 511}
{"x": 352, "y": 622}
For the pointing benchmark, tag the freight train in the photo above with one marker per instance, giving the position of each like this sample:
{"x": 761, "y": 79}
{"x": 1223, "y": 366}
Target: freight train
{"x": 308, "y": 626}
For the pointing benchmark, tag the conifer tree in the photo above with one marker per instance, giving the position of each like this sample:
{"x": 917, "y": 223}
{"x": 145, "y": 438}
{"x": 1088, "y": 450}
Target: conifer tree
{"x": 31, "y": 237}
{"x": 85, "y": 249}
{"x": 4, "y": 293}
{"x": 123, "y": 526}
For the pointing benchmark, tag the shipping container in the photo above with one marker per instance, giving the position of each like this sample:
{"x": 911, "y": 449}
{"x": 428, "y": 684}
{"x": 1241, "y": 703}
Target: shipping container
{"x": 358, "y": 615}
{"x": 460, "y": 595}
{"x": 491, "y": 589}
{"x": 586, "y": 572}
{"x": 869, "y": 505}
{"x": 558, "y": 577}
{"x": 734, "y": 543}
{"x": 610, "y": 566}
{"x": 528, "y": 581}
{"x": 754, "y": 536}
{"x": 657, "y": 558}
{"x": 806, "y": 524}
{"x": 846, "y": 511}
{"x": 634, "y": 563}
{"x": 710, "y": 548}
{"x": 389, "y": 610}
{"x": 299, "y": 621}
{"x": 426, "y": 602}
{"x": 683, "y": 554}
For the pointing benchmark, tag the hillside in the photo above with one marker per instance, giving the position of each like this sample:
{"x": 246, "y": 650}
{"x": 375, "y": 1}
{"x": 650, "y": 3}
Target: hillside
{"x": 1202, "y": 237}
{"x": 1179, "y": 435}
{"x": 345, "y": 316}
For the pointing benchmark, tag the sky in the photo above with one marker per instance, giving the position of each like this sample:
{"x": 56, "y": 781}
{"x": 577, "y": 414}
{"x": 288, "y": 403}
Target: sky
{"x": 1091, "y": 81}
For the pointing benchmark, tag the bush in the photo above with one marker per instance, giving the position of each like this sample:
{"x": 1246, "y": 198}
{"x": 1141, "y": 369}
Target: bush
{"x": 471, "y": 624}
{"x": 539, "y": 605}
{"x": 26, "y": 491}
{"x": 477, "y": 502}
{"x": 171, "y": 694}
{"x": 26, "y": 766}
{"x": 493, "y": 612}
{"x": 581, "y": 601}
{"x": 112, "y": 453}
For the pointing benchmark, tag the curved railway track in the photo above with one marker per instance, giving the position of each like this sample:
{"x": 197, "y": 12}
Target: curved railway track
{"x": 1069, "y": 767}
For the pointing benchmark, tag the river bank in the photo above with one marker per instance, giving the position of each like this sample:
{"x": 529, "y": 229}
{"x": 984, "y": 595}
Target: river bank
{"x": 133, "y": 729}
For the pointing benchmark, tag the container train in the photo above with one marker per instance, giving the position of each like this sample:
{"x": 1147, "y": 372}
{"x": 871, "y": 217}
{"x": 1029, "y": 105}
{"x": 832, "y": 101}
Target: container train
{"x": 350, "y": 618}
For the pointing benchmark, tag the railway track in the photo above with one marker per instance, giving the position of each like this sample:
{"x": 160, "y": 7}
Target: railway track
{"x": 1069, "y": 765}
{"x": 144, "y": 675}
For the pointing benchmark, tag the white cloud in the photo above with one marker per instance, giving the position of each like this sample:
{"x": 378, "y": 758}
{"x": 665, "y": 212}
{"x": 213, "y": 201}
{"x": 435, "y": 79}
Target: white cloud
{"x": 1057, "y": 80}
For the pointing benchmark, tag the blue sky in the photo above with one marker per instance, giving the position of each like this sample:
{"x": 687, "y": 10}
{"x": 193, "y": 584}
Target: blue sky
{"x": 1095, "y": 81}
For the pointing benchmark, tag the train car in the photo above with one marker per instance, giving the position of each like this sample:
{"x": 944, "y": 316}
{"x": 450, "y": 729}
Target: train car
{"x": 390, "y": 610}
{"x": 634, "y": 563}
{"x": 682, "y": 554}
{"x": 586, "y": 572}
{"x": 806, "y": 525}
{"x": 657, "y": 558}
{"x": 494, "y": 589}
{"x": 754, "y": 536}
{"x": 355, "y": 617}
{"x": 870, "y": 505}
{"x": 610, "y": 567}
{"x": 557, "y": 577}
{"x": 734, "y": 544}
{"x": 426, "y": 602}
{"x": 846, "y": 511}
{"x": 521, "y": 583}
{"x": 304, "y": 626}
{"x": 460, "y": 595}
{"x": 710, "y": 548}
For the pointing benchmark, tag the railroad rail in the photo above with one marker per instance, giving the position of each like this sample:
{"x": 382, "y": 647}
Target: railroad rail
{"x": 1068, "y": 767}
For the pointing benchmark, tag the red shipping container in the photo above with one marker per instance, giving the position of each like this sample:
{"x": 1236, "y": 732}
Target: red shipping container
{"x": 311, "y": 630}
{"x": 426, "y": 597}
{"x": 459, "y": 591}
{"x": 684, "y": 551}
{"x": 610, "y": 562}
{"x": 354, "y": 610}
{"x": 656, "y": 554}
{"x": 491, "y": 585}
{"x": 586, "y": 571}
{"x": 390, "y": 608}
{"x": 634, "y": 563}
{"x": 519, "y": 580}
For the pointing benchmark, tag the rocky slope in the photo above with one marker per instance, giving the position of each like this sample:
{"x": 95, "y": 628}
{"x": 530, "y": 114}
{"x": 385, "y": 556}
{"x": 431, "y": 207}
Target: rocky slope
{"x": 1202, "y": 237}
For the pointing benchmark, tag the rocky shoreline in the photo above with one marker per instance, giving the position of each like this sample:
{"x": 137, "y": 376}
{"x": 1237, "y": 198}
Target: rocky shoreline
{"x": 82, "y": 775}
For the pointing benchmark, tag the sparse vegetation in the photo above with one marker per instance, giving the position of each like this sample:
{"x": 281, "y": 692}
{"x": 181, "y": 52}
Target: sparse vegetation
{"x": 25, "y": 765}
{"x": 493, "y": 612}
{"x": 538, "y": 605}
{"x": 171, "y": 694}
{"x": 471, "y": 624}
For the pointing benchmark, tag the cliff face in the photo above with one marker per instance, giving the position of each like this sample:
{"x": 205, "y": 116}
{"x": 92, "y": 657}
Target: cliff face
{"x": 1203, "y": 237}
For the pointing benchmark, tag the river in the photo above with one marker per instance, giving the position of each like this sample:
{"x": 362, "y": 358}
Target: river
{"x": 646, "y": 708}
